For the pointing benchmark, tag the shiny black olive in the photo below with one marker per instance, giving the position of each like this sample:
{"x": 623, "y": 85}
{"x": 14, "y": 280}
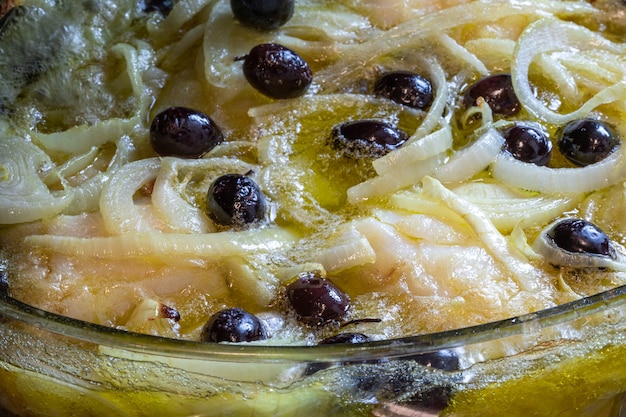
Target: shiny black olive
{"x": 184, "y": 132}
{"x": 579, "y": 236}
{"x": 347, "y": 338}
{"x": 162, "y": 6}
{"x": 262, "y": 14}
{"x": 587, "y": 141}
{"x": 341, "y": 338}
{"x": 235, "y": 200}
{"x": 277, "y": 71}
{"x": 316, "y": 300}
{"x": 233, "y": 325}
{"x": 367, "y": 138}
{"x": 405, "y": 88}
{"x": 528, "y": 144}
{"x": 497, "y": 91}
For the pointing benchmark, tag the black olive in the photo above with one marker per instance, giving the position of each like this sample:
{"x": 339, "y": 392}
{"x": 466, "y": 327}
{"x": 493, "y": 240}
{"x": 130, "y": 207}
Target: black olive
{"x": 587, "y": 141}
{"x": 346, "y": 338}
{"x": 497, "y": 90}
{"x": 341, "y": 338}
{"x": 262, "y": 14}
{"x": 580, "y": 236}
{"x": 528, "y": 144}
{"x": 277, "y": 71}
{"x": 235, "y": 200}
{"x": 367, "y": 138}
{"x": 233, "y": 325}
{"x": 316, "y": 300}
{"x": 162, "y": 6}
{"x": 184, "y": 132}
{"x": 405, "y": 88}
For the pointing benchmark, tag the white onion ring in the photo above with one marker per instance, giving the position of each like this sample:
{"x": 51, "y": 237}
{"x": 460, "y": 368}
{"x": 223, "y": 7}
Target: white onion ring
{"x": 532, "y": 177}
{"x": 539, "y": 38}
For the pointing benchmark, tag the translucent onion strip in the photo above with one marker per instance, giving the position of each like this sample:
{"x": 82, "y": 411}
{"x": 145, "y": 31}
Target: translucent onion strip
{"x": 87, "y": 195}
{"x": 593, "y": 177}
{"x": 119, "y": 212}
{"x": 80, "y": 139}
{"x": 167, "y": 246}
{"x": 352, "y": 249}
{"x": 394, "y": 180}
{"x": 413, "y": 32}
{"x": 549, "y": 35}
{"x": 507, "y": 211}
{"x": 24, "y": 197}
{"x": 526, "y": 275}
{"x": 430, "y": 145}
{"x": 470, "y": 161}
{"x": 182, "y": 13}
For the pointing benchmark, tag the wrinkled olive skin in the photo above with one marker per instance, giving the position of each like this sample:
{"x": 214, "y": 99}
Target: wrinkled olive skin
{"x": 263, "y": 14}
{"x": 580, "y": 236}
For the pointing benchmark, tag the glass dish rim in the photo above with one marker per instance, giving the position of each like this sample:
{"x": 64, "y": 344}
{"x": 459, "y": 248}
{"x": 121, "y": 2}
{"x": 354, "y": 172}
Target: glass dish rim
{"x": 245, "y": 352}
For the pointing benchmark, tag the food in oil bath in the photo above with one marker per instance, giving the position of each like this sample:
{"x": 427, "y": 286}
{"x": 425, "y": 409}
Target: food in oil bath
{"x": 235, "y": 199}
{"x": 587, "y": 141}
{"x": 277, "y": 71}
{"x": 578, "y": 235}
{"x": 407, "y": 88}
{"x": 528, "y": 143}
{"x": 367, "y": 138}
{"x": 263, "y": 14}
{"x": 497, "y": 91}
{"x": 233, "y": 325}
{"x": 184, "y": 132}
{"x": 316, "y": 300}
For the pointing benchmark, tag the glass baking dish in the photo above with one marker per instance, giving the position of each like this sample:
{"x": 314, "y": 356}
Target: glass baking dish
{"x": 565, "y": 361}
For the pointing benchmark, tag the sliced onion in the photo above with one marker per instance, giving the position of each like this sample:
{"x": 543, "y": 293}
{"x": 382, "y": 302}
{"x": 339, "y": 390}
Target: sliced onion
{"x": 459, "y": 52}
{"x": 429, "y": 146}
{"x": 527, "y": 276}
{"x": 80, "y": 139}
{"x": 352, "y": 249}
{"x": 178, "y": 214}
{"x": 528, "y": 176}
{"x": 394, "y": 180}
{"x": 170, "y": 246}
{"x": 119, "y": 212}
{"x": 24, "y": 197}
{"x": 437, "y": 108}
{"x": 473, "y": 159}
{"x": 550, "y": 35}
